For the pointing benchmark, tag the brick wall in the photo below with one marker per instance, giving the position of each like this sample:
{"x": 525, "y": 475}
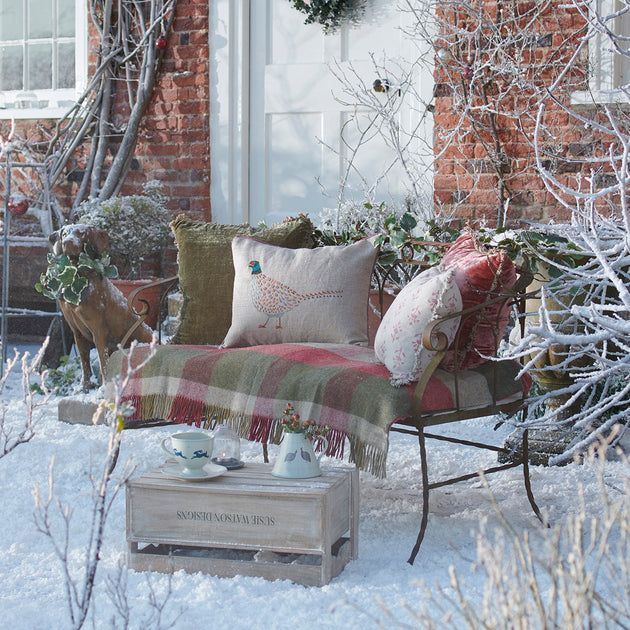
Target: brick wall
{"x": 486, "y": 158}
{"x": 174, "y": 139}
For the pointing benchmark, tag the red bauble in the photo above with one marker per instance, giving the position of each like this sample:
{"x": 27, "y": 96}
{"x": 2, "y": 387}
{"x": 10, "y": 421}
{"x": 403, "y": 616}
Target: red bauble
{"x": 18, "y": 205}
{"x": 467, "y": 73}
{"x": 160, "y": 42}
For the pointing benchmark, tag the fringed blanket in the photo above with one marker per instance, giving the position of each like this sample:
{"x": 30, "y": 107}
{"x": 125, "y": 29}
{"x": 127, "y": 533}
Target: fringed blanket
{"x": 342, "y": 386}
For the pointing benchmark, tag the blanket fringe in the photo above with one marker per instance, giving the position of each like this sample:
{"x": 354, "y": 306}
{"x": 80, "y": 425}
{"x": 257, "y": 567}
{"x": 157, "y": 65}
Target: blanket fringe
{"x": 253, "y": 428}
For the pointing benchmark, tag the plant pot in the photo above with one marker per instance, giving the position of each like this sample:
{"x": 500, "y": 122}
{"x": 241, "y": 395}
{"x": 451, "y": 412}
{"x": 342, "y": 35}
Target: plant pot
{"x": 151, "y": 295}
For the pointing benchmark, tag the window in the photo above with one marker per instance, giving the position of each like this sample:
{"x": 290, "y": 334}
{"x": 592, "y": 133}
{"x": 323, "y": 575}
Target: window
{"x": 610, "y": 70}
{"x": 43, "y": 62}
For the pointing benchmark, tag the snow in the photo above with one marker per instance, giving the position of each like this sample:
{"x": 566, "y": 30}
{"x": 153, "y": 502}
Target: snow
{"x": 32, "y": 590}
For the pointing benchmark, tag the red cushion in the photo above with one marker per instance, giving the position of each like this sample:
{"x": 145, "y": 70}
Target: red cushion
{"x": 481, "y": 274}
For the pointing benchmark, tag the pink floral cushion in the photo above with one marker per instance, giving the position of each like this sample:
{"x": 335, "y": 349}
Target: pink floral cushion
{"x": 398, "y": 343}
{"x": 481, "y": 274}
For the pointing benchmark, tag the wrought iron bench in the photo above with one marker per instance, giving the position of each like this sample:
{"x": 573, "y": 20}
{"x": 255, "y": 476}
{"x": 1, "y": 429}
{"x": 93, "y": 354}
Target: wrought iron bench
{"x": 438, "y": 397}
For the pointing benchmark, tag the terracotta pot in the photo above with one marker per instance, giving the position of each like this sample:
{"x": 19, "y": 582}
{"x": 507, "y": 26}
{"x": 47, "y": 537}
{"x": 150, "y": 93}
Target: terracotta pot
{"x": 151, "y": 295}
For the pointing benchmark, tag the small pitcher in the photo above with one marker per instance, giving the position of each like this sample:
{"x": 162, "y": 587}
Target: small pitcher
{"x": 297, "y": 459}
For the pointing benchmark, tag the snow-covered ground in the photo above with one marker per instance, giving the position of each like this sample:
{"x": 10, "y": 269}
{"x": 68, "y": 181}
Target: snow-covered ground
{"x": 32, "y": 588}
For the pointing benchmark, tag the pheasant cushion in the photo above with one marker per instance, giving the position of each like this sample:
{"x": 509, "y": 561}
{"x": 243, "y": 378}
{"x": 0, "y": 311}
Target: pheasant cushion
{"x": 299, "y": 295}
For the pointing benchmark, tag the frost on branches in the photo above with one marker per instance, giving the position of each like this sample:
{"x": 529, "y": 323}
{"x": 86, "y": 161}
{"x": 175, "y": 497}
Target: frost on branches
{"x": 583, "y": 327}
{"x": 581, "y": 339}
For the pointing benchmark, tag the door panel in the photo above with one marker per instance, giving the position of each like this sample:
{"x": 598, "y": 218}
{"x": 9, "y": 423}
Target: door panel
{"x": 301, "y": 133}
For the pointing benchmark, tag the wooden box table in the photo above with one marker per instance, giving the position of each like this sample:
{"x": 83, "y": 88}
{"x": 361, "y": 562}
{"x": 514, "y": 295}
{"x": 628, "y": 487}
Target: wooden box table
{"x": 245, "y": 522}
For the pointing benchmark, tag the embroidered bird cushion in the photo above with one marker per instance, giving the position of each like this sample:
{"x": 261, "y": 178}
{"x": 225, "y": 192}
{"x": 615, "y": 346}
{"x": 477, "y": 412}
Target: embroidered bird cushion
{"x": 301, "y": 295}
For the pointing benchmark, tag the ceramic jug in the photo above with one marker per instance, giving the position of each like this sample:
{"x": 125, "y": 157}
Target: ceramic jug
{"x": 297, "y": 459}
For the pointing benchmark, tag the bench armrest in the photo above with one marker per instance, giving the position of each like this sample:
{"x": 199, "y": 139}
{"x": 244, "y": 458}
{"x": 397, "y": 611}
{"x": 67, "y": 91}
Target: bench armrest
{"x": 436, "y": 341}
{"x": 165, "y": 284}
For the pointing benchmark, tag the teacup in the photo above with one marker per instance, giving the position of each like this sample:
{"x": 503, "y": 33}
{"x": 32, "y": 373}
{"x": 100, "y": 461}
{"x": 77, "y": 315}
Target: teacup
{"x": 192, "y": 450}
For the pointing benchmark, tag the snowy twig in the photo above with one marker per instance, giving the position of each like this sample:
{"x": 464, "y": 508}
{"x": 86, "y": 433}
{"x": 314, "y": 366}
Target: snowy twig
{"x": 105, "y": 487}
{"x": 16, "y": 433}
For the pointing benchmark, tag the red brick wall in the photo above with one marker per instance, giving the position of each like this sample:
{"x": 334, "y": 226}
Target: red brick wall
{"x": 466, "y": 182}
{"x": 174, "y": 139}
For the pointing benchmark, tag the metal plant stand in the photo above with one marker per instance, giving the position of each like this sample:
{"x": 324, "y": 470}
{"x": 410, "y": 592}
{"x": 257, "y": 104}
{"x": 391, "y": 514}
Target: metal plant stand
{"x": 8, "y": 241}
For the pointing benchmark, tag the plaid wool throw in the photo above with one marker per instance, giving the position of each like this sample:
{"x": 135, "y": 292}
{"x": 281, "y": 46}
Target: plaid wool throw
{"x": 342, "y": 386}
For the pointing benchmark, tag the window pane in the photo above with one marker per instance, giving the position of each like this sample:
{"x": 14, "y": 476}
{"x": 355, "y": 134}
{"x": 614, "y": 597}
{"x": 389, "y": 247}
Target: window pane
{"x": 11, "y": 64}
{"x": 39, "y": 74}
{"x": 65, "y": 18}
{"x": 11, "y": 15}
{"x": 39, "y": 18}
{"x": 65, "y": 66}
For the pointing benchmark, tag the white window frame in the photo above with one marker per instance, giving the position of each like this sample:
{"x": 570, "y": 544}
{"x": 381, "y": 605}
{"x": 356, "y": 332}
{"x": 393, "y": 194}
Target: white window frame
{"x": 608, "y": 71}
{"x": 56, "y": 99}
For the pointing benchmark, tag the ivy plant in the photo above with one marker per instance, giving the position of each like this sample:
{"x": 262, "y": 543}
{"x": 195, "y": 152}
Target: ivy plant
{"x": 62, "y": 280}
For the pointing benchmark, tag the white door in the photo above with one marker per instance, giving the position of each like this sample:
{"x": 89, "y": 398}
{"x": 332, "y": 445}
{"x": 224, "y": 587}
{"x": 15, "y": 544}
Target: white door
{"x": 294, "y": 140}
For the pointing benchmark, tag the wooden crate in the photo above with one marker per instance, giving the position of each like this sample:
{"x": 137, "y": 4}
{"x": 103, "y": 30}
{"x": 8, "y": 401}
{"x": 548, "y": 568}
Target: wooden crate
{"x": 245, "y": 522}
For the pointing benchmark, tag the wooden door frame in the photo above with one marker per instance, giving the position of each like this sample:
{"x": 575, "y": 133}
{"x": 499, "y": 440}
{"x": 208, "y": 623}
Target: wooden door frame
{"x": 229, "y": 109}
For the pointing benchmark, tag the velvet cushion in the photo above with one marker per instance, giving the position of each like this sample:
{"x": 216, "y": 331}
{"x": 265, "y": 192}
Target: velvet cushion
{"x": 481, "y": 274}
{"x": 398, "y": 343}
{"x": 206, "y": 272}
{"x": 303, "y": 295}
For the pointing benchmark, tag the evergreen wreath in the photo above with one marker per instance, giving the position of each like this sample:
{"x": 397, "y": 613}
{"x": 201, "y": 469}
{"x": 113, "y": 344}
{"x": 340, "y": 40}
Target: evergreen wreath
{"x": 329, "y": 13}
{"x": 62, "y": 280}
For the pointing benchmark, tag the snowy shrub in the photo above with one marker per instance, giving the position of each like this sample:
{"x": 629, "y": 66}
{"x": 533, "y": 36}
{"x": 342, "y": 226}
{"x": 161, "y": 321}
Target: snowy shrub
{"x": 138, "y": 225}
{"x": 574, "y": 575}
{"x": 19, "y": 428}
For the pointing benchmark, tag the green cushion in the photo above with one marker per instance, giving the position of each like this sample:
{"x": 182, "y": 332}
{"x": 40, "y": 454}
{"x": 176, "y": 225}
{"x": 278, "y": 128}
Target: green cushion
{"x": 206, "y": 272}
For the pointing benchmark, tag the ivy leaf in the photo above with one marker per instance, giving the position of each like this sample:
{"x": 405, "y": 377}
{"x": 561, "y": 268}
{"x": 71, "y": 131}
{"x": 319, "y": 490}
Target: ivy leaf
{"x": 67, "y": 275}
{"x": 73, "y": 292}
{"x": 390, "y": 221}
{"x": 408, "y": 222}
{"x": 387, "y": 257}
{"x": 70, "y": 296}
{"x": 63, "y": 262}
{"x": 397, "y": 238}
{"x": 78, "y": 284}
{"x": 54, "y": 286}
{"x": 111, "y": 271}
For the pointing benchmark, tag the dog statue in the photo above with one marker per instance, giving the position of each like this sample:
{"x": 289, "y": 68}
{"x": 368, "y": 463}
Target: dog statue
{"x": 102, "y": 316}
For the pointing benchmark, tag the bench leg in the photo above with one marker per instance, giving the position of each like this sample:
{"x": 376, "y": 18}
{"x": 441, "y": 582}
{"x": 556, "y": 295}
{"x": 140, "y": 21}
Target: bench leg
{"x": 528, "y": 485}
{"x": 425, "y": 495}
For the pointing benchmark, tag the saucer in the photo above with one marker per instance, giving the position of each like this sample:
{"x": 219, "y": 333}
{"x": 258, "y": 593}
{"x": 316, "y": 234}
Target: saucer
{"x": 209, "y": 471}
